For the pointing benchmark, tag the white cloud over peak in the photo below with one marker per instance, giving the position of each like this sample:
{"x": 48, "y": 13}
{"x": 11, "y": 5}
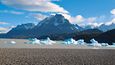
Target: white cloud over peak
{"x": 77, "y": 19}
{"x": 39, "y": 16}
{"x": 110, "y": 22}
{"x": 34, "y": 5}
{"x": 91, "y": 19}
{"x": 74, "y": 20}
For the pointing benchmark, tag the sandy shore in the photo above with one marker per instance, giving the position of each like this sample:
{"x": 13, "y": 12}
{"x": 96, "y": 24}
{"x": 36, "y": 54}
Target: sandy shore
{"x": 14, "y": 56}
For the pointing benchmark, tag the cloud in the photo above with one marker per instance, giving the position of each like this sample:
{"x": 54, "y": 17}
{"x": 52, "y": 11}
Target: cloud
{"x": 34, "y": 5}
{"x": 5, "y": 29}
{"x": 74, "y": 20}
{"x": 39, "y": 16}
{"x": 3, "y": 23}
{"x": 2, "y": 29}
{"x": 110, "y": 22}
{"x": 11, "y": 11}
{"x": 112, "y": 11}
{"x": 91, "y": 19}
{"x": 77, "y": 19}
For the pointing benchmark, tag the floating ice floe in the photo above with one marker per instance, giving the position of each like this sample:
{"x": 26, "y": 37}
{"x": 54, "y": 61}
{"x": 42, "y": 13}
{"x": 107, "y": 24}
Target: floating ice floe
{"x": 33, "y": 41}
{"x": 80, "y": 42}
{"x": 12, "y": 42}
{"x": 70, "y": 41}
{"x": 95, "y": 43}
{"x": 41, "y": 42}
{"x": 48, "y": 41}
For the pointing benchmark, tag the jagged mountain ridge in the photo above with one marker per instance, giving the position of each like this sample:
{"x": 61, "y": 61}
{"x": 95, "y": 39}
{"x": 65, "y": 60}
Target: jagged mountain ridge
{"x": 105, "y": 28}
{"x": 53, "y": 25}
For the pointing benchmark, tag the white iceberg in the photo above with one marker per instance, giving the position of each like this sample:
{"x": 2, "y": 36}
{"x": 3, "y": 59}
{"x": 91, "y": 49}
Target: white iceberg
{"x": 80, "y": 42}
{"x": 95, "y": 43}
{"x": 70, "y": 41}
{"x": 33, "y": 41}
{"x": 47, "y": 41}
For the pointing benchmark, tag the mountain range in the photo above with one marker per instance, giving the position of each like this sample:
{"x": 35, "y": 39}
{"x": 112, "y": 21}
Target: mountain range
{"x": 57, "y": 27}
{"x": 103, "y": 27}
{"x": 50, "y": 26}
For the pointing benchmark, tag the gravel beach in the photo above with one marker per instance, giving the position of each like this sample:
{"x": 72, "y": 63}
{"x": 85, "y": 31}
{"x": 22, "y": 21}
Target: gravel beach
{"x": 56, "y": 54}
{"x": 14, "y": 56}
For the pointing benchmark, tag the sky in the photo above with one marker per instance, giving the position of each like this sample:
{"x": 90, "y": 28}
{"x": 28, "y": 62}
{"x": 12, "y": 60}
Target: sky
{"x": 81, "y": 12}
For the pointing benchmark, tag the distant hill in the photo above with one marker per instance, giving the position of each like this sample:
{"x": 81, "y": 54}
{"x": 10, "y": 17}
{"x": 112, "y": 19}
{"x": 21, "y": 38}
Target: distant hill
{"x": 88, "y": 34}
{"x": 105, "y": 27}
{"x": 107, "y": 37}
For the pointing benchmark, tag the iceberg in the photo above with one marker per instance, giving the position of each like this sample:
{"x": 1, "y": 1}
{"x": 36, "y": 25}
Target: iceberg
{"x": 95, "y": 43}
{"x": 70, "y": 41}
{"x": 80, "y": 42}
{"x": 48, "y": 41}
{"x": 33, "y": 41}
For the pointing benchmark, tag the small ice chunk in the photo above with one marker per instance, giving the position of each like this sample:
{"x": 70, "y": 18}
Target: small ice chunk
{"x": 12, "y": 42}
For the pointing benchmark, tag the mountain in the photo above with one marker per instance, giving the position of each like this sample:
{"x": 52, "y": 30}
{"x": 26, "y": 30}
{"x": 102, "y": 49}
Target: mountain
{"x": 105, "y": 27}
{"x": 55, "y": 25}
{"x": 87, "y": 34}
{"x": 107, "y": 37}
{"x": 22, "y": 30}
{"x": 52, "y": 26}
